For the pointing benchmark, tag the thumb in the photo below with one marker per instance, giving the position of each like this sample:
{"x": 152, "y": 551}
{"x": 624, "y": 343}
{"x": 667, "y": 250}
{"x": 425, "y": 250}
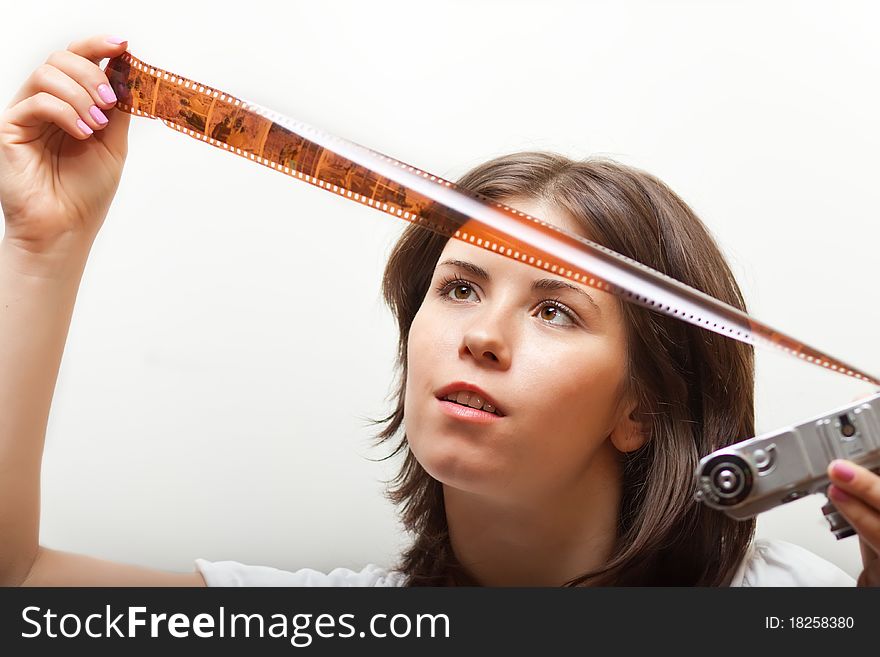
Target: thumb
{"x": 115, "y": 135}
{"x": 868, "y": 553}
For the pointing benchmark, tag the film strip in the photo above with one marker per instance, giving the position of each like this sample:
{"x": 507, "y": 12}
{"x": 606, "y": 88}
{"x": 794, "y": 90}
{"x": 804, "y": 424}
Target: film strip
{"x": 373, "y": 179}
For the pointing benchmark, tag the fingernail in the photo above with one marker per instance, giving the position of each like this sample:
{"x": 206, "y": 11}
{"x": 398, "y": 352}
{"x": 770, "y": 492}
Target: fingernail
{"x": 838, "y": 494}
{"x": 106, "y": 93}
{"x": 97, "y": 114}
{"x": 82, "y": 125}
{"x": 842, "y": 471}
{"x": 115, "y": 40}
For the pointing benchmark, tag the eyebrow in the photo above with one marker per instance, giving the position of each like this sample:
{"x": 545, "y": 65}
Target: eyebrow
{"x": 540, "y": 284}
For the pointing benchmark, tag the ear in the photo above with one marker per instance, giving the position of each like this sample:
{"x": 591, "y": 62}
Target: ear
{"x": 629, "y": 433}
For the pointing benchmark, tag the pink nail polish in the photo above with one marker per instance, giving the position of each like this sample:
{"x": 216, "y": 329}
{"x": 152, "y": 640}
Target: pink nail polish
{"x": 115, "y": 40}
{"x": 842, "y": 471}
{"x": 106, "y": 93}
{"x": 98, "y": 115}
{"x": 82, "y": 125}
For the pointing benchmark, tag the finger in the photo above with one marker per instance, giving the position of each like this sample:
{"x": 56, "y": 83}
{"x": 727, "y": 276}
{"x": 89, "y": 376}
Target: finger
{"x": 869, "y": 555}
{"x": 115, "y": 135}
{"x": 80, "y": 68}
{"x": 46, "y": 78}
{"x": 96, "y": 48}
{"x": 870, "y": 576}
{"x": 88, "y": 75}
{"x": 863, "y": 518}
{"x": 31, "y": 114}
{"x": 856, "y": 480}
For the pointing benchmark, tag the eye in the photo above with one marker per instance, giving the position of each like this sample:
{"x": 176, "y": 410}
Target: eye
{"x": 458, "y": 288}
{"x": 559, "y": 310}
{"x": 454, "y": 285}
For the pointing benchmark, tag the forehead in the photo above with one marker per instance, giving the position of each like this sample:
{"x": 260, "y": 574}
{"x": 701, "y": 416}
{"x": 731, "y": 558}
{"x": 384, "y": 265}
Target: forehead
{"x": 538, "y": 209}
{"x": 499, "y": 266}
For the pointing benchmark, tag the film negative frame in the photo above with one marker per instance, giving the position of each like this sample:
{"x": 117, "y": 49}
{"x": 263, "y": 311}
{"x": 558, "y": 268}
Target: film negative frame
{"x": 383, "y": 183}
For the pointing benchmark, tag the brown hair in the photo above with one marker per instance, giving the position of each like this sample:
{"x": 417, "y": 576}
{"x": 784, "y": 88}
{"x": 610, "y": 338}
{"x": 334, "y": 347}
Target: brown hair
{"x": 695, "y": 388}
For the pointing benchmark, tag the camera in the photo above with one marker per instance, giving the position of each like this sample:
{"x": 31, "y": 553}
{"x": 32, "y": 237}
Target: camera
{"x": 778, "y": 467}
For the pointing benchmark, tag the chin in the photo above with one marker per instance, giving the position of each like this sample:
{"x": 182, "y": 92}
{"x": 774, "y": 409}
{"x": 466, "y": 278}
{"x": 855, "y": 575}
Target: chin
{"x": 450, "y": 465}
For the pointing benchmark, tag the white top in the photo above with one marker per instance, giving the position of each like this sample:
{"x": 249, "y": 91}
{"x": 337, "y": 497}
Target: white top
{"x": 768, "y": 562}
{"x": 773, "y": 562}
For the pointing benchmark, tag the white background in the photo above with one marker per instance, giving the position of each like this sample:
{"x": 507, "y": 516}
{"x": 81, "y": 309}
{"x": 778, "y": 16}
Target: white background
{"x": 229, "y": 337}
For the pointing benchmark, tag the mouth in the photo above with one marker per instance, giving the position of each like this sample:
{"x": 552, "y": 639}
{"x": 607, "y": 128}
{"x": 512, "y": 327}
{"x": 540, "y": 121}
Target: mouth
{"x": 470, "y": 400}
{"x": 466, "y": 413}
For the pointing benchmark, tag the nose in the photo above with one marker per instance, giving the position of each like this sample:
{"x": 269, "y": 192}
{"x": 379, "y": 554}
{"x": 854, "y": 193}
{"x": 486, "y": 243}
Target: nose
{"x": 485, "y": 338}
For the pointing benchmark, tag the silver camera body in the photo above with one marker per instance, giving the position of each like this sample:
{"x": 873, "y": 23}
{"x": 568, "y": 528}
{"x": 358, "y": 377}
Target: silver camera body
{"x": 778, "y": 467}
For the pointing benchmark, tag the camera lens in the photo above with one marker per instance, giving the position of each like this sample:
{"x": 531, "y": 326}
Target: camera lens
{"x": 729, "y": 479}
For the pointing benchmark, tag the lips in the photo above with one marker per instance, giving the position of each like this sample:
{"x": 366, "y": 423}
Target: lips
{"x": 459, "y": 386}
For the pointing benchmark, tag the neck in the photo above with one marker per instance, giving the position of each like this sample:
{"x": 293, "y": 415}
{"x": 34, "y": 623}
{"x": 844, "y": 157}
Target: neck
{"x": 537, "y": 541}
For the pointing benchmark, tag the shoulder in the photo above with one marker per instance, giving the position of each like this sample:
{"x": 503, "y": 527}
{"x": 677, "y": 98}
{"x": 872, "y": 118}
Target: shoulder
{"x": 773, "y": 562}
{"x": 233, "y": 573}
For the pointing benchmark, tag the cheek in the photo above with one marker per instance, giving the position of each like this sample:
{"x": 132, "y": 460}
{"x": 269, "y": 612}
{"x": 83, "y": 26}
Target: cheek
{"x": 421, "y": 361}
{"x": 417, "y": 350}
{"x": 431, "y": 343}
{"x": 590, "y": 391}
{"x": 573, "y": 405}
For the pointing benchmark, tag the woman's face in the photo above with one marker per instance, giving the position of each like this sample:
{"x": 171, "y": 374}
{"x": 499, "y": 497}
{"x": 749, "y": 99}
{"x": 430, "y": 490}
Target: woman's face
{"x": 554, "y": 373}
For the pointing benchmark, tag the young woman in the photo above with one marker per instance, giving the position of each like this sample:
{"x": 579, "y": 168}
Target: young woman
{"x": 549, "y": 431}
